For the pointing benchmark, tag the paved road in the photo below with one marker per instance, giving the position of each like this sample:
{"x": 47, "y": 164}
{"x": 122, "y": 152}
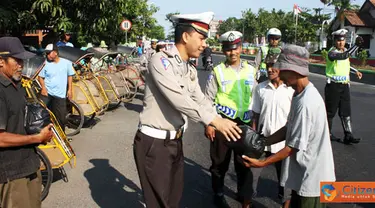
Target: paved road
{"x": 105, "y": 175}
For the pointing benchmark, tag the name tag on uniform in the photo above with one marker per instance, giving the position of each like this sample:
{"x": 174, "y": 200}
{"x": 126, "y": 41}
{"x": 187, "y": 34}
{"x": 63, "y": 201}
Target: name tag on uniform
{"x": 226, "y": 82}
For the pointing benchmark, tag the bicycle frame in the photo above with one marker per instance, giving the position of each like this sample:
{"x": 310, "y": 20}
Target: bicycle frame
{"x": 58, "y": 150}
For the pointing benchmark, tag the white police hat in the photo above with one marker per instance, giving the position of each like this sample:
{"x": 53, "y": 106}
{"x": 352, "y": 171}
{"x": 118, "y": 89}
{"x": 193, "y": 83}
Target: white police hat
{"x": 231, "y": 40}
{"x": 161, "y": 43}
{"x": 154, "y": 40}
{"x": 340, "y": 34}
{"x": 200, "y": 22}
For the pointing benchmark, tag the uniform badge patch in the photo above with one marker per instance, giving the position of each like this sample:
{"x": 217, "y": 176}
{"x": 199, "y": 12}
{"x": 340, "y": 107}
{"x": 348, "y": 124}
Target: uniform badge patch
{"x": 210, "y": 77}
{"x": 165, "y": 62}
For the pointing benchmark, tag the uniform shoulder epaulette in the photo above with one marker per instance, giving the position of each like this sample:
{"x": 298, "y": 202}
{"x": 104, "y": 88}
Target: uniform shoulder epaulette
{"x": 169, "y": 55}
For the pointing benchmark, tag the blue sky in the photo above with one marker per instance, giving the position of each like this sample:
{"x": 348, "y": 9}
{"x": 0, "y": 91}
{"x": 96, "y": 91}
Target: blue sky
{"x": 230, "y": 8}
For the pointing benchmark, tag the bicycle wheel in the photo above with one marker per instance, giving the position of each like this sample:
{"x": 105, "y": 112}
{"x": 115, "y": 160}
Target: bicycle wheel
{"x": 46, "y": 172}
{"x": 131, "y": 90}
{"x": 74, "y": 119}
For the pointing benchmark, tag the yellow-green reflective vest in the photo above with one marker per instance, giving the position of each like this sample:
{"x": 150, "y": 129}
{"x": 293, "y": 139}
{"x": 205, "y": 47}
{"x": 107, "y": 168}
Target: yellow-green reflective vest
{"x": 235, "y": 91}
{"x": 264, "y": 55}
{"x": 338, "y": 70}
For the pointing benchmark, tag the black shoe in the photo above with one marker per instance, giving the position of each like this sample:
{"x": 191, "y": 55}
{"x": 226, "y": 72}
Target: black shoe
{"x": 333, "y": 138}
{"x": 220, "y": 201}
{"x": 349, "y": 138}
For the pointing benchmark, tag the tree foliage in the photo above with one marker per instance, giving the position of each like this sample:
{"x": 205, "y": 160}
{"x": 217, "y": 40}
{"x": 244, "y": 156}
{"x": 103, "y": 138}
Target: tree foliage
{"x": 90, "y": 20}
{"x": 254, "y": 25}
{"x": 170, "y": 35}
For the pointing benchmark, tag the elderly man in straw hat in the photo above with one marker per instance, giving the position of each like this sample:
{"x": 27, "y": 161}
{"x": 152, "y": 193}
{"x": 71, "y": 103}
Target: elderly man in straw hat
{"x": 307, "y": 152}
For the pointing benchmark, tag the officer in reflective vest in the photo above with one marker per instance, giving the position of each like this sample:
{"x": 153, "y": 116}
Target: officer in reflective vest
{"x": 273, "y": 38}
{"x": 337, "y": 94}
{"x": 229, "y": 87}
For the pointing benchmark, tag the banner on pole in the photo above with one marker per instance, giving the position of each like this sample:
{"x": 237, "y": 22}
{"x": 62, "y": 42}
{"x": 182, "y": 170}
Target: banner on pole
{"x": 296, "y": 9}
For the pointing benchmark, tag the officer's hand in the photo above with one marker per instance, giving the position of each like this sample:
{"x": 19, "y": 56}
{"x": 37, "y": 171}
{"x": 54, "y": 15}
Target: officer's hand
{"x": 359, "y": 75}
{"x": 45, "y": 134}
{"x": 251, "y": 162}
{"x": 359, "y": 41}
{"x": 210, "y": 133}
{"x": 228, "y": 128}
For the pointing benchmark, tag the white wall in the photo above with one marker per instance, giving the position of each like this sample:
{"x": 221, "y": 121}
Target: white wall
{"x": 365, "y": 31}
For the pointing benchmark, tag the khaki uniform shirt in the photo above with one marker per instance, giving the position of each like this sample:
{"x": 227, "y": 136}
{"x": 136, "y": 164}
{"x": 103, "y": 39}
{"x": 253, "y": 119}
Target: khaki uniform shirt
{"x": 172, "y": 93}
{"x": 146, "y": 57}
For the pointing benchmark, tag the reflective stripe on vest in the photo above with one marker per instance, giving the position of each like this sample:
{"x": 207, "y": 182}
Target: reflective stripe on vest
{"x": 235, "y": 91}
{"x": 338, "y": 70}
{"x": 264, "y": 55}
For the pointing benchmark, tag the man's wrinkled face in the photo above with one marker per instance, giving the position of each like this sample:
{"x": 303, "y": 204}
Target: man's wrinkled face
{"x": 12, "y": 68}
{"x": 273, "y": 73}
{"x": 274, "y": 40}
{"x": 340, "y": 44}
{"x": 195, "y": 43}
{"x": 289, "y": 78}
{"x": 51, "y": 56}
{"x": 233, "y": 55}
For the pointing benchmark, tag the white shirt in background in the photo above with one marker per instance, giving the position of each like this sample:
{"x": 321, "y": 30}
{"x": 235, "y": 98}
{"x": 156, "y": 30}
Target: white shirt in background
{"x": 273, "y": 105}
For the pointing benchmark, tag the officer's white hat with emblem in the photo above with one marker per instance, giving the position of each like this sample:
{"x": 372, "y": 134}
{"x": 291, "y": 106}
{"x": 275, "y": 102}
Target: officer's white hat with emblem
{"x": 231, "y": 40}
{"x": 154, "y": 40}
{"x": 161, "y": 43}
{"x": 200, "y": 22}
{"x": 340, "y": 34}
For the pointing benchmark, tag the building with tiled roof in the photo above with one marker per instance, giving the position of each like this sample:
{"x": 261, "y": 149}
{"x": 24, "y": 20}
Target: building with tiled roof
{"x": 362, "y": 23}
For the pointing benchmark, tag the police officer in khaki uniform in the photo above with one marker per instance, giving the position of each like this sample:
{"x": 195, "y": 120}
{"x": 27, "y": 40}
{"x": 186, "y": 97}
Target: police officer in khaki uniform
{"x": 172, "y": 94}
{"x": 230, "y": 87}
{"x": 151, "y": 51}
{"x": 146, "y": 57}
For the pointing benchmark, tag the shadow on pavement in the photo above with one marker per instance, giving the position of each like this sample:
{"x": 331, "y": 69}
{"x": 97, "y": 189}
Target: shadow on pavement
{"x": 134, "y": 107}
{"x": 197, "y": 187}
{"x": 109, "y": 188}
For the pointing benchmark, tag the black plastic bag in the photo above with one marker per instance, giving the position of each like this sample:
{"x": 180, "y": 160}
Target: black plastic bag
{"x": 251, "y": 143}
{"x": 36, "y": 118}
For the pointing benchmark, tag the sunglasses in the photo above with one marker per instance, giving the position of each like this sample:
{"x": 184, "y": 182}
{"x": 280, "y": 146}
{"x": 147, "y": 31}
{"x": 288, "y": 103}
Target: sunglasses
{"x": 274, "y": 38}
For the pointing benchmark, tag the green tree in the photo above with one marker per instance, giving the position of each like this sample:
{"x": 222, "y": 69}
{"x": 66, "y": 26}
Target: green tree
{"x": 229, "y": 24}
{"x": 157, "y": 32}
{"x": 341, "y": 6}
{"x": 170, "y": 35}
{"x": 16, "y": 16}
{"x": 91, "y": 20}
